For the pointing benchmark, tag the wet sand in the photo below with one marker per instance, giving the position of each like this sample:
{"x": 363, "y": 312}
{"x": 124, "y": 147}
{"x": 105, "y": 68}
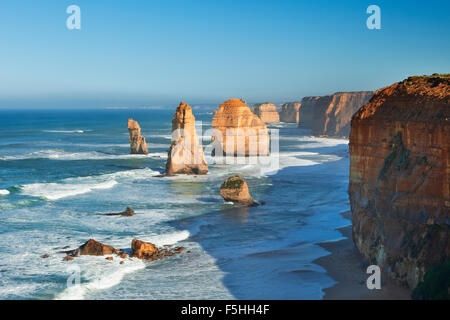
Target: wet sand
{"x": 346, "y": 266}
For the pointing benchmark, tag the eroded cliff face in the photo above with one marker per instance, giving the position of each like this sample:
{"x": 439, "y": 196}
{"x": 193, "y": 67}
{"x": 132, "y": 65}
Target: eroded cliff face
{"x": 333, "y": 114}
{"x": 400, "y": 178}
{"x": 306, "y": 111}
{"x": 239, "y": 131}
{"x": 290, "y": 112}
{"x": 137, "y": 142}
{"x": 185, "y": 154}
{"x": 267, "y": 112}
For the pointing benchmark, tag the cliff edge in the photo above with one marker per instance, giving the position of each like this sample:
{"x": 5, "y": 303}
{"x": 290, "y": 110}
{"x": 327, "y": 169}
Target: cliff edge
{"x": 400, "y": 177}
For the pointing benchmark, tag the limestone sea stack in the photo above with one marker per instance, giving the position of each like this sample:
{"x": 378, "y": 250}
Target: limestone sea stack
{"x": 235, "y": 189}
{"x": 332, "y": 114}
{"x": 238, "y": 131}
{"x": 267, "y": 112}
{"x": 137, "y": 142}
{"x": 185, "y": 154}
{"x": 400, "y": 177}
{"x": 290, "y": 112}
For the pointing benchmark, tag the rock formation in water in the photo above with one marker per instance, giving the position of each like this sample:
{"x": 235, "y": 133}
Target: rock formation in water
{"x": 235, "y": 189}
{"x": 185, "y": 154}
{"x": 332, "y": 114}
{"x": 92, "y": 248}
{"x": 148, "y": 251}
{"x": 267, "y": 112}
{"x": 290, "y": 112}
{"x": 137, "y": 142}
{"x": 127, "y": 213}
{"x": 400, "y": 177}
{"x": 238, "y": 131}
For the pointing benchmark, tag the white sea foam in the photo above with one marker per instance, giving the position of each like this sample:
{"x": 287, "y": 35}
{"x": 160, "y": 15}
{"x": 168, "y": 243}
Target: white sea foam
{"x": 64, "y": 131}
{"x": 76, "y": 186}
{"x": 100, "y": 278}
{"x": 65, "y": 155}
{"x": 4, "y": 192}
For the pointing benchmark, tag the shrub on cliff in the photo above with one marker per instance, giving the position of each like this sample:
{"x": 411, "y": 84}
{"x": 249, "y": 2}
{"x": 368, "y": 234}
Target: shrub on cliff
{"x": 435, "y": 284}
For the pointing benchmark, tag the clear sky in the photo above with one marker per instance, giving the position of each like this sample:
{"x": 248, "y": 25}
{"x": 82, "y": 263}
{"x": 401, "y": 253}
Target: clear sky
{"x": 132, "y": 53}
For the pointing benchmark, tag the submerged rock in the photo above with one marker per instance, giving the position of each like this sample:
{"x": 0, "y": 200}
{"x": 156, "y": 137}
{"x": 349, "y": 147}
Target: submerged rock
{"x": 127, "y": 213}
{"x": 238, "y": 131}
{"x": 267, "y": 112}
{"x": 137, "y": 142}
{"x": 235, "y": 189}
{"x": 186, "y": 154}
{"x": 400, "y": 176}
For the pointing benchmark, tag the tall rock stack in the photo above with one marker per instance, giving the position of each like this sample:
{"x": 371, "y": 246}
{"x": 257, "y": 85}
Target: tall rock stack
{"x": 332, "y": 114}
{"x": 186, "y": 154}
{"x": 267, "y": 112}
{"x": 290, "y": 112}
{"x": 238, "y": 131}
{"x": 137, "y": 142}
{"x": 400, "y": 177}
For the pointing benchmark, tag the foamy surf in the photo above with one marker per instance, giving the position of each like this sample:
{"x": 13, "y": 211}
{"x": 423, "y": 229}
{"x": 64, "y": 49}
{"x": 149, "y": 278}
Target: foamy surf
{"x": 100, "y": 279}
{"x": 64, "y": 131}
{"x": 4, "y": 192}
{"x": 64, "y": 155}
{"x": 76, "y": 186}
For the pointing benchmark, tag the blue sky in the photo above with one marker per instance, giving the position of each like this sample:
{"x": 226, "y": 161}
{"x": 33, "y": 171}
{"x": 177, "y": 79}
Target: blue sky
{"x": 131, "y": 53}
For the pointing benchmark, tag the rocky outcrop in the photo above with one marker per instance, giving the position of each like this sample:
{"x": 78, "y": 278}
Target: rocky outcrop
{"x": 92, "y": 248}
{"x": 400, "y": 177}
{"x": 290, "y": 112}
{"x": 137, "y": 142}
{"x": 185, "y": 154}
{"x": 267, "y": 112}
{"x": 332, "y": 114}
{"x": 238, "y": 131}
{"x": 148, "y": 251}
{"x": 235, "y": 189}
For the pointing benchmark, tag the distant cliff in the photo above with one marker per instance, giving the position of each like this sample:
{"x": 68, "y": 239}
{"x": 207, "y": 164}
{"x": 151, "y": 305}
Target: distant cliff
{"x": 306, "y": 111}
{"x": 400, "y": 177}
{"x": 330, "y": 115}
{"x": 267, "y": 112}
{"x": 290, "y": 112}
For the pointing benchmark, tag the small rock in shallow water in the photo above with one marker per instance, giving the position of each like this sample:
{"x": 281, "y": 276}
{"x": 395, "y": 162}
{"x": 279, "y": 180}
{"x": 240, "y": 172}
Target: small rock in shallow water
{"x": 68, "y": 258}
{"x": 45, "y": 256}
{"x": 109, "y": 258}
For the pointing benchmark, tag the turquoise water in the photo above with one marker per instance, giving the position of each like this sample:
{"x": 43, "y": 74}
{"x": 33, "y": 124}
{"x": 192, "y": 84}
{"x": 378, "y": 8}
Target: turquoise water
{"x": 59, "y": 169}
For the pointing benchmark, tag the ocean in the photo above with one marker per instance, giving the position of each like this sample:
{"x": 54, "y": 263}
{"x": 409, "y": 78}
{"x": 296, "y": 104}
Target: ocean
{"x": 60, "y": 168}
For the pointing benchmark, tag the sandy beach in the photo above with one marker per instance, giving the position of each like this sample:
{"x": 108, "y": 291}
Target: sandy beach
{"x": 346, "y": 266}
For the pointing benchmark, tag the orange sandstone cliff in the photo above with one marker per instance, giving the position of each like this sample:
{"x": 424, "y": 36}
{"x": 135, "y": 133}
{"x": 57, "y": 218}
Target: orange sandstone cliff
{"x": 267, "y": 112}
{"x": 400, "y": 177}
{"x": 238, "y": 131}
{"x": 137, "y": 142}
{"x": 290, "y": 112}
{"x": 185, "y": 154}
{"x": 333, "y": 114}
